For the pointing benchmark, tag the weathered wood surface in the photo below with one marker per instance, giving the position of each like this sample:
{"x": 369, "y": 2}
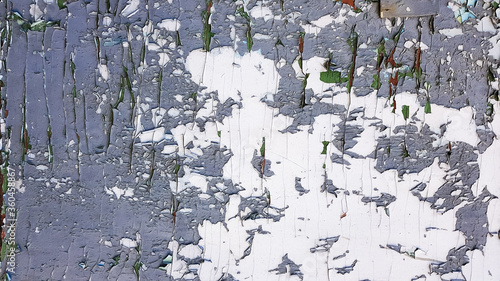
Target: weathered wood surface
{"x": 312, "y": 141}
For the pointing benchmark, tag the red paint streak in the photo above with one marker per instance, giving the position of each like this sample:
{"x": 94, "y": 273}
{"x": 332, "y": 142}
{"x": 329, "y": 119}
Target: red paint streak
{"x": 26, "y": 143}
{"x": 390, "y": 59}
{"x": 417, "y": 60}
{"x": 209, "y": 7}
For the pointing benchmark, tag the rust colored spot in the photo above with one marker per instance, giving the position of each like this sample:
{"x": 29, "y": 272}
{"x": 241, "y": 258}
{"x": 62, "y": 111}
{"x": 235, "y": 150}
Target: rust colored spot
{"x": 349, "y": 2}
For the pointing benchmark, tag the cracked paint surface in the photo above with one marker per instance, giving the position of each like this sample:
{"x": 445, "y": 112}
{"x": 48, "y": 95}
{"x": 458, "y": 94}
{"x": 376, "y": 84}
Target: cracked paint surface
{"x": 250, "y": 140}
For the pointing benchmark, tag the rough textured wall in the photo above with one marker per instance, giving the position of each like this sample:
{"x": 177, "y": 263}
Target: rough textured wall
{"x": 249, "y": 140}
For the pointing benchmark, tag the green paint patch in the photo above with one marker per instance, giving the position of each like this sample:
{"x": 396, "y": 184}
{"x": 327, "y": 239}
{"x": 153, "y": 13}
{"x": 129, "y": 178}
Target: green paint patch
{"x": 177, "y": 168}
{"x": 353, "y": 45}
{"x": 116, "y": 259}
{"x": 26, "y": 25}
{"x": 62, "y": 4}
{"x": 332, "y": 77}
{"x": 5, "y": 181}
{"x": 263, "y": 147}
{"x": 143, "y": 53}
{"x": 42, "y": 25}
{"x": 418, "y": 73}
{"x": 304, "y": 83}
{"x": 405, "y": 151}
{"x": 194, "y": 96}
{"x": 207, "y": 33}
{"x": 490, "y": 76}
{"x": 402, "y": 75}
{"x": 127, "y": 79}
{"x": 137, "y": 266}
{"x": 427, "y": 108}
{"x": 72, "y": 67}
{"x": 177, "y": 39}
{"x": 406, "y": 111}
{"x": 489, "y": 109}
{"x": 249, "y": 39}
{"x": 325, "y": 145}
{"x": 381, "y": 53}
{"x": 376, "y": 82}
